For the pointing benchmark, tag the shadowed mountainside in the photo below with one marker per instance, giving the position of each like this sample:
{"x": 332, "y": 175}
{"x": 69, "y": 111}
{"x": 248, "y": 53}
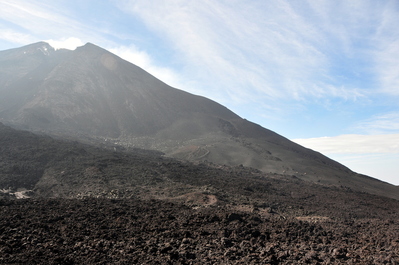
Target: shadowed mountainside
{"x": 92, "y": 95}
{"x": 45, "y": 167}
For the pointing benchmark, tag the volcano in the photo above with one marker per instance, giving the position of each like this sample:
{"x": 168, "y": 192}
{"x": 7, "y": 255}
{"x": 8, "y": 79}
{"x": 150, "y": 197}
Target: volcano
{"x": 93, "y": 96}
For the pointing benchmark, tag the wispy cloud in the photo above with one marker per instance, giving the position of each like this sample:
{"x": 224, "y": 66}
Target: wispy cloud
{"x": 380, "y": 124}
{"x": 14, "y": 36}
{"x": 222, "y": 43}
{"x": 353, "y": 144}
{"x": 277, "y": 50}
{"x": 386, "y": 55}
{"x": 37, "y": 17}
{"x": 34, "y": 20}
{"x": 143, "y": 59}
{"x": 387, "y": 64}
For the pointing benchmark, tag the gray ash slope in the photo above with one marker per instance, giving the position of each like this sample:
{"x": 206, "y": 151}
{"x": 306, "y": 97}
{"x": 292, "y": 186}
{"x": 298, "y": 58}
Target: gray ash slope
{"x": 92, "y": 95}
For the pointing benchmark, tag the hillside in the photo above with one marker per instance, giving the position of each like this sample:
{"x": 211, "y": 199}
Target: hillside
{"x": 49, "y": 168}
{"x": 93, "y": 96}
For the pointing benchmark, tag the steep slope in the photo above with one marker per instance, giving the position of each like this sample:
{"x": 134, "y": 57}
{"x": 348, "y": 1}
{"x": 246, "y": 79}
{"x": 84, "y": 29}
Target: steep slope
{"x": 92, "y": 91}
{"x": 91, "y": 94}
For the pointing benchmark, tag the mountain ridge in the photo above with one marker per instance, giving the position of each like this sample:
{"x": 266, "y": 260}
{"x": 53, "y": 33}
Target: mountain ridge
{"x": 93, "y": 95}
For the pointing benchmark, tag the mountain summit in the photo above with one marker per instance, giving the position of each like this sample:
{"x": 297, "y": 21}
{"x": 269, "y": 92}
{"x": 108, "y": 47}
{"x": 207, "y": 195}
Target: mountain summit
{"x": 93, "y": 95}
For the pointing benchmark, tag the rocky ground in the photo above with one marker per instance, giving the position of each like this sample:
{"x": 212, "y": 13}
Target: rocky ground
{"x": 63, "y": 202}
{"x": 132, "y": 231}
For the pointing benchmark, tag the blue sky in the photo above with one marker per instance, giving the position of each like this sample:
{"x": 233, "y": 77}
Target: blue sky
{"x": 323, "y": 73}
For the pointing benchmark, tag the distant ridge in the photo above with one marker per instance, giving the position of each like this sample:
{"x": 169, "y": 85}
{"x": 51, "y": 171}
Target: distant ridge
{"x": 93, "y": 95}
